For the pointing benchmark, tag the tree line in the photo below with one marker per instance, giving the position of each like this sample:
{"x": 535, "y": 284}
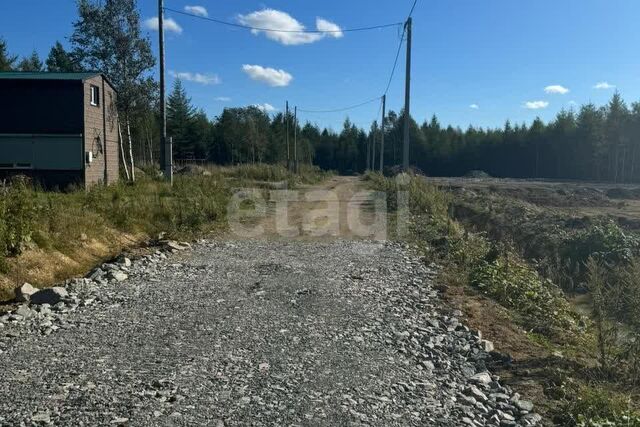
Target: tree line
{"x": 589, "y": 143}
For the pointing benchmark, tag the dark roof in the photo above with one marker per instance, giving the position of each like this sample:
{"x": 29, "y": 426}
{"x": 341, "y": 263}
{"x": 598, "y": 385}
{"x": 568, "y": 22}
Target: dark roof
{"x": 43, "y": 75}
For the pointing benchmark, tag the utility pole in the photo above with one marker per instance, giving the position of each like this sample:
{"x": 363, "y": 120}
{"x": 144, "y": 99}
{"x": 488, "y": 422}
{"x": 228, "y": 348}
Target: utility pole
{"x": 286, "y": 109}
{"x": 295, "y": 139}
{"x": 368, "y": 165}
{"x": 407, "y": 99}
{"x": 166, "y": 155}
{"x": 372, "y": 164}
{"x": 384, "y": 113}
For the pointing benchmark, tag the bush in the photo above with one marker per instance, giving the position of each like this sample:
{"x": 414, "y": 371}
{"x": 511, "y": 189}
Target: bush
{"x": 17, "y": 216}
{"x": 515, "y": 285}
{"x": 592, "y": 406}
{"x": 605, "y": 242}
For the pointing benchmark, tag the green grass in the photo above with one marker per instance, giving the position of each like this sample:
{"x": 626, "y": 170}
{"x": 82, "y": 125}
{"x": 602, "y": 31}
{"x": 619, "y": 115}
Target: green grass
{"x": 31, "y": 218}
{"x": 490, "y": 264}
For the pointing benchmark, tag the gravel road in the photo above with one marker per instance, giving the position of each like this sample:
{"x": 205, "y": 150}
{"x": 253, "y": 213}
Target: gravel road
{"x": 277, "y": 333}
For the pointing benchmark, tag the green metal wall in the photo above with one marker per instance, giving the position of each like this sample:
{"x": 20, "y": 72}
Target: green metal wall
{"x": 41, "y": 152}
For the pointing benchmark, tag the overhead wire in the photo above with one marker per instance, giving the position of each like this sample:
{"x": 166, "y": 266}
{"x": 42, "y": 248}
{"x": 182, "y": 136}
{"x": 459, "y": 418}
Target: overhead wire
{"x": 395, "y": 62}
{"x": 276, "y": 30}
{"x": 338, "y": 110}
{"x": 346, "y": 30}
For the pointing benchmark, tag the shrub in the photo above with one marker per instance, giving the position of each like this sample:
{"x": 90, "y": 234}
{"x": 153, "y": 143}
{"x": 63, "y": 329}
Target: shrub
{"x": 593, "y": 406}
{"x": 17, "y": 216}
{"x": 605, "y": 242}
{"x": 517, "y": 286}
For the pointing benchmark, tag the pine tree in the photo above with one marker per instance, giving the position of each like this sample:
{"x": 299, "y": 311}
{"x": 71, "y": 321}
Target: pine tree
{"x": 180, "y": 114}
{"x": 6, "y": 61}
{"x": 31, "y": 63}
{"x": 107, "y": 37}
{"x": 617, "y": 115}
{"x": 61, "y": 61}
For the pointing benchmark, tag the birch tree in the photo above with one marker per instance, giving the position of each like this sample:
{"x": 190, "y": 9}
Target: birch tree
{"x": 107, "y": 37}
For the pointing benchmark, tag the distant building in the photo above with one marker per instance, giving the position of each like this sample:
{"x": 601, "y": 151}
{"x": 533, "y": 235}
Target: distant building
{"x": 58, "y": 128}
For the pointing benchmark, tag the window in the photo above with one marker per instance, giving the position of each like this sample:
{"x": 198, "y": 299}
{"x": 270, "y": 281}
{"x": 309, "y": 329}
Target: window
{"x": 95, "y": 95}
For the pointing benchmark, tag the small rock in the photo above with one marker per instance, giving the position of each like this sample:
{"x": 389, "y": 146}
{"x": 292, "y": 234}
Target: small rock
{"x": 173, "y": 245}
{"x": 24, "y": 292}
{"x": 118, "y": 276}
{"x": 476, "y": 393}
{"x": 524, "y": 405}
{"x": 482, "y": 378}
{"x": 41, "y": 418}
{"x": 123, "y": 260}
{"x": 24, "y": 311}
{"x": 487, "y": 345}
{"x": 95, "y": 274}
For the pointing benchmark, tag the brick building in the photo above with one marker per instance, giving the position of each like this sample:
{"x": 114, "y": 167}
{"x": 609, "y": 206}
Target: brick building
{"x": 59, "y": 128}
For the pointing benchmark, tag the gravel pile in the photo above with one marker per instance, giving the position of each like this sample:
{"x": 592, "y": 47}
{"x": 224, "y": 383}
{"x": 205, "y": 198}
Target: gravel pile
{"x": 251, "y": 333}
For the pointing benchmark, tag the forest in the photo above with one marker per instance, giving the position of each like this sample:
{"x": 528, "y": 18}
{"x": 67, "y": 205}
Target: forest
{"x": 599, "y": 143}
{"x": 591, "y": 143}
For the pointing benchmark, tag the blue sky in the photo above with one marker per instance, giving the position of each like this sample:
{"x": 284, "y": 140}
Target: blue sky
{"x": 497, "y": 55}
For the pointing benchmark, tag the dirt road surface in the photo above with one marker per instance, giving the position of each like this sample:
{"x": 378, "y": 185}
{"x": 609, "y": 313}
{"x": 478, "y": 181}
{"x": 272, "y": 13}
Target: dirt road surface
{"x": 270, "y": 331}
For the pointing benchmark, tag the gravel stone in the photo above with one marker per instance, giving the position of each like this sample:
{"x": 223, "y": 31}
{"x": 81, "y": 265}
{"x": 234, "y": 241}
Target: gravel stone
{"x": 118, "y": 276}
{"x": 24, "y": 292}
{"x": 210, "y": 336}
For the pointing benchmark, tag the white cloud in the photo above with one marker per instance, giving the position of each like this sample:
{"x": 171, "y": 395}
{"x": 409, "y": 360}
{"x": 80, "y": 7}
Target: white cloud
{"x": 196, "y": 10}
{"x": 267, "y": 108}
{"x": 474, "y": 106}
{"x": 604, "y": 86}
{"x": 556, "y": 89}
{"x": 270, "y": 76}
{"x": 324, "y": 25}
{"x": 278, "y": 20}
{"x": 536, "y": 105}
{"x": 573, "y": 103}
{"x": 222, "y": 98}
{"x": 205, "y": 79}
{"x": 169, "y": 25}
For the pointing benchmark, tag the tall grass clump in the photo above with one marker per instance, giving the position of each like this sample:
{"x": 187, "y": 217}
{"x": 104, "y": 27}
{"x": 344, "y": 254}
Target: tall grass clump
{"x": 17, "y": 217}
{"x": 307, "y": 174}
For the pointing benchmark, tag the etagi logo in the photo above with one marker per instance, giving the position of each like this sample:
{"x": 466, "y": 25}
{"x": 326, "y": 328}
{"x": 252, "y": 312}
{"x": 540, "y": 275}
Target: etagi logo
{"x": 255, "y": 213}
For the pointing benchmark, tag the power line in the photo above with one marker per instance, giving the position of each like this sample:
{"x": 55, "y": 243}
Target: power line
{"x": 338, "y": 110}
{"x": 395, "y": 62}
{"x": 273, "y": 30}
{"x": 412, "y": 8}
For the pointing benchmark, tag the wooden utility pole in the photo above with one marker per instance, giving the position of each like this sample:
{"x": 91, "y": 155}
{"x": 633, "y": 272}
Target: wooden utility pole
{"x": 407, "y": 99}
{"x": 286, "y": 136}
{"x": 384, "y": 113}
{"x": 372, "y": 164}
{"x": 166, "y": 150}
{"x": 295, "y": 139}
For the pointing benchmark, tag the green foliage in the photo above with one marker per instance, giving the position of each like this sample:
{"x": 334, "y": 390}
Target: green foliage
{"x": 605, "y": 242}
{"x": 594, "y": 406}
{"x": 515, "y": 285}
{"x": 423, "y": 197}
{"x": 61, "y": 61}
{"x": 56, "y": 220}
{"x": 108, "y": 37}
{"x": 31, "y": 63}
{"x": 17, "y": 215}
{"x": 6, "y": 61}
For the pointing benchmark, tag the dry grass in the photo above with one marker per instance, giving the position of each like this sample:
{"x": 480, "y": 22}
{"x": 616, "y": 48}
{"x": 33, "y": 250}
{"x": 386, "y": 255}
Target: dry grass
{"x": 46, "y": 237}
